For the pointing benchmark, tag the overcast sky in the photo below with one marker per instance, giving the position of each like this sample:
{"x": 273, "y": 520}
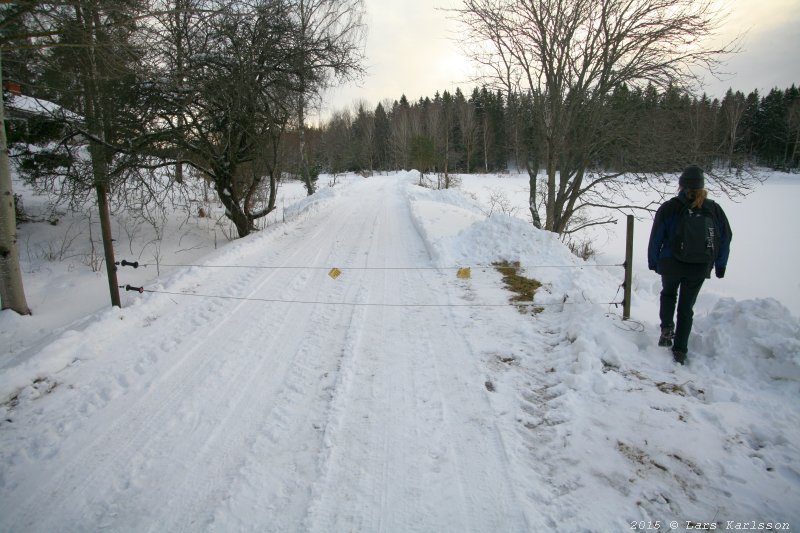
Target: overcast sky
{"x": 412, "y": 48}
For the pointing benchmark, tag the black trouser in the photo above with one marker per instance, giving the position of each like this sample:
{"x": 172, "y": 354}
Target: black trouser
{"x": 689, "y": 289}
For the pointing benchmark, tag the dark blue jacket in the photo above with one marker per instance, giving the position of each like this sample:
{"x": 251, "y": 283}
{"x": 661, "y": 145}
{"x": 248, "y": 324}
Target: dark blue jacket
{"x": 665, "y": 225}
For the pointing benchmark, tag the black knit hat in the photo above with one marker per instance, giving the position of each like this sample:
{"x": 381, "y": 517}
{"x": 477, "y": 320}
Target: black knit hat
{"x": 692, "y": 178}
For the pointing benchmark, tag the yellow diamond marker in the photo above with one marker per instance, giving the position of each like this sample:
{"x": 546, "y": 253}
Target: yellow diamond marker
{"x": 464, "y": 273}
{"x": 335, "y": 273}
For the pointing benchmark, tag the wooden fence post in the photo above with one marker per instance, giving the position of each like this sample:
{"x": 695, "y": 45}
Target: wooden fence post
{"x": 626, "y": 303}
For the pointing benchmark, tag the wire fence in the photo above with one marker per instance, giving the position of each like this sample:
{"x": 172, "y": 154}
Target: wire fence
{"x": 142, "y": 290}
{"x": 136, "y": 264}
{"x": 335, "y": 272}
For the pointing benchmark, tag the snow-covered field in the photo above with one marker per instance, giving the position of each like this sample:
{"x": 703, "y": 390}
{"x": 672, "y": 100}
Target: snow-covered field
{"x": 398, "y": 397}
{"x": 764, "y": 254}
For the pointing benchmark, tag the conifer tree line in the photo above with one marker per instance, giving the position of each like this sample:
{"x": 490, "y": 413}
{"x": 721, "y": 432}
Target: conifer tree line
{"x": 488, "y": 131}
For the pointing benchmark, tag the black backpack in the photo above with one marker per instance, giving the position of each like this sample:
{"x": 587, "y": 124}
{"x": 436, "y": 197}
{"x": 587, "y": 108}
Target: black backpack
{"x": 696, "y": 239}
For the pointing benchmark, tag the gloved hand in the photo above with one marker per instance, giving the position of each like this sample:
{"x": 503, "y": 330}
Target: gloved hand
{"x": 720, "y": 271}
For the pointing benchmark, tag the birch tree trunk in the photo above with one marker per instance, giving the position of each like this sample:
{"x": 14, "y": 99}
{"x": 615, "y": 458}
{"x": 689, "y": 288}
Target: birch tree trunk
{"x": 12, "y": 293}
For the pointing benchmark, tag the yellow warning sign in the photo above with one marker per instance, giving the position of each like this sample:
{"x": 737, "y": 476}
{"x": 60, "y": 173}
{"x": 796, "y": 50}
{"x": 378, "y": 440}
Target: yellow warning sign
{"x": 464, "y": 273}
{"x": 335, "y": 273}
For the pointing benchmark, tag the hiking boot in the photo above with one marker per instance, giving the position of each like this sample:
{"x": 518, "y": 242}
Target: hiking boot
{"x": 679, "y": 356}
{"x": 667, "y": 334}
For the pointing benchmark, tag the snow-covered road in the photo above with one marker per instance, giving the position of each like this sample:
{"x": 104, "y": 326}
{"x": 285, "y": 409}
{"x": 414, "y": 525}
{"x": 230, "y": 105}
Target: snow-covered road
{"x": 254, "y": 392}
{"x": 230, "y": 415}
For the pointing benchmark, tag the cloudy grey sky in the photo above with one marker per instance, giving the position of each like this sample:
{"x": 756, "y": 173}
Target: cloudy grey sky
{"x": 412, "y": 48}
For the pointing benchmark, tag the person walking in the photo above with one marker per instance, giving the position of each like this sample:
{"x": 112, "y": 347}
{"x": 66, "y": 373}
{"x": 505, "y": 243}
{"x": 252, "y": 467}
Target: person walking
{"x": 690, "y": 237}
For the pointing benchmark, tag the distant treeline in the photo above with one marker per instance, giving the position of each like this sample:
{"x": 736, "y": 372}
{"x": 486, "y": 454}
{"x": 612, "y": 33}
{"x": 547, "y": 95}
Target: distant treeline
{"x": 642, "y": 130}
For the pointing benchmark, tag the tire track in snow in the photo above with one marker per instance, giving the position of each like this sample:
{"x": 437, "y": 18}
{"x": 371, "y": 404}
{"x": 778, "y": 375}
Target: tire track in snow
{"x": 276, "y": 498}
{"x": 382, "y": 429}
{"x": 484, "y": 471}
{"x": 406, "y": 449}
{"x": 343, "y": 382}
{"x": 109, "y": 450}
{"x": 535, "y": 418}
{"x": 104, "y": 454}
{"x": 246, "y": 413}
{"x": 472, "y": 406}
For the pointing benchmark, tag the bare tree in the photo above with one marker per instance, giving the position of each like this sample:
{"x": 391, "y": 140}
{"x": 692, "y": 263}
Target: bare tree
{"x": 224, "y": 77}
{"x": 338, "y": 143}
{"x": 446, "y": 132}
{"x": 330, "y": 36}
{"x": 486, "y": 137}
{"x": 568, "y": 56}
{"x": 733, "y": 108}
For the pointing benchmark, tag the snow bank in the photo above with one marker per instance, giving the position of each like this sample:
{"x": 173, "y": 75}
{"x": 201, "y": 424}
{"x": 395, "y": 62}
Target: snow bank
{"x": 615, "y": 431}
{"x": 469, "y": 238}
{"x": 310, "y": 203}
{"x": 762, "y": 330}
{"x": 750, "y": 338}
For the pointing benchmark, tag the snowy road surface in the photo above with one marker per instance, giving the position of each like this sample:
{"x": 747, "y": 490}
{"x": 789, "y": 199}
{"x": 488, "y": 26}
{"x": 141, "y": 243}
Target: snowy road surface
{"x": 397, "y": 397}
{"x": 235, "y": 415}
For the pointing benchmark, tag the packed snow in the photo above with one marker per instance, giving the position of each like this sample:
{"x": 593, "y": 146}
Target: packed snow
{"x": 250, "y": 390}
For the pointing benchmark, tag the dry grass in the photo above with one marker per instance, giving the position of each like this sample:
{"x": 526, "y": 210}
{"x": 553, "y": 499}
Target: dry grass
{"x": 524, "y": 289}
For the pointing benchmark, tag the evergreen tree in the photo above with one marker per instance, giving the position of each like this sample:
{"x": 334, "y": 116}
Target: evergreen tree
{"x": 95, "y": 52}
{"x": 422, "y": 154}
{"x": 400, "y": 134}
{"x": 772, "y": 129}
{"x": 364, "y": 139}
{"x": 750, "y": 124}
{"x": 498, "y": 159}
{"x": 792, "y": 157}
{"x": 468, "y": 131}
{"x": 381, "y": 139}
